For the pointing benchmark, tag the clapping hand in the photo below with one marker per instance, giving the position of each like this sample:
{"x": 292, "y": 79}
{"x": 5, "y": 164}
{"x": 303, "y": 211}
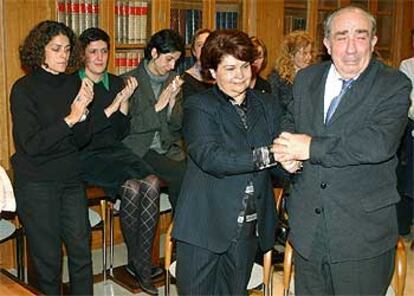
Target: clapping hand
{"x": 121, "y": 100}
{"x": 168, "y": 95}
{"x": 79, "y": 105}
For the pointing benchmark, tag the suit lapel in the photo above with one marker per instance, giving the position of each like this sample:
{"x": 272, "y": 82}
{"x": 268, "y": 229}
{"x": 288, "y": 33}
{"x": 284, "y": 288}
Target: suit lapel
{"x": 229, "y": 110}
{"x": 314, "y": 102}
{"x": 254, "y": 111}
{"x": 354, "y": 96}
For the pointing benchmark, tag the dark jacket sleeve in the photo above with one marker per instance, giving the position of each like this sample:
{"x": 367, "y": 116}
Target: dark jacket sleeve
{"x": 202, "y": 133}
{"x": 377, "y": 139}
{"x": 29, "y": 134}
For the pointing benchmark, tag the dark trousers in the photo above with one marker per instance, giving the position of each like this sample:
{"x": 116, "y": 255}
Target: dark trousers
{"x": 171, "y": 171}
{"x": 405, "y": 177}
{"x": 319, "y": 276}
{"x": 52, "y": 213}
{"x": 202, "y": 272}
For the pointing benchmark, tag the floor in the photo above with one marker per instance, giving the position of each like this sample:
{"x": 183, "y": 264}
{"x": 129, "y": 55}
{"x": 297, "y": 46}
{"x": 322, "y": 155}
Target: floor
{"x": 110, "y": 288}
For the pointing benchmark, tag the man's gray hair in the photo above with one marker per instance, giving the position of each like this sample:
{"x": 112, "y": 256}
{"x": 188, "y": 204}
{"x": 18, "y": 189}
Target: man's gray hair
{"x": 331, "y": 17}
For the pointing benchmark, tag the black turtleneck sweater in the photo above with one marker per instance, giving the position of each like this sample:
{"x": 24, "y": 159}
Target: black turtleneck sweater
{"x": 46, "y": 148}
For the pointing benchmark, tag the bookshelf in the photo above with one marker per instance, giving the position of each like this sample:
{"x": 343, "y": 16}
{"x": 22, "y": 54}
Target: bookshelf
{"x": 187, "y": 16}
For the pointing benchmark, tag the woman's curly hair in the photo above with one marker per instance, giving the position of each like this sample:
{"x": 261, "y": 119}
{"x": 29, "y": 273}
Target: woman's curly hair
{"x": 291, "y": 44}
{"x": 32, "y": 51}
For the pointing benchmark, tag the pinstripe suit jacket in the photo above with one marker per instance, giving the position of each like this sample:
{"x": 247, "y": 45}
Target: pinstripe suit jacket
{"x": 349, "y": 180}
{"x": 219, "y": 166}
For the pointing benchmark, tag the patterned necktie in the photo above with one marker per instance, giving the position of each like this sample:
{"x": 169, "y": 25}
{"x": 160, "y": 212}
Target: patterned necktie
{"x": 346, "y": 84}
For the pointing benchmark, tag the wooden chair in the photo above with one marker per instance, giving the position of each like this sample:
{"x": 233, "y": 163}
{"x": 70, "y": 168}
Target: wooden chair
{"x": 10, "y": 230}
{"x": 260, "y": 274}
{"x": 96, "y": 195}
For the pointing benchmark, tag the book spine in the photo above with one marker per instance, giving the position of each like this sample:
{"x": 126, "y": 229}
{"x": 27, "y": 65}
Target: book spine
{"x": 68, "y": 12}
{"x": 95, "y": 13}
{"x": 75, "y": 16}
{"x": 144, "y": 21}
{"x": 82, "y": 12}
{"x": 88, "y": 13}
{"x": 125, "y": 10}
{"x": 61, "y": 11}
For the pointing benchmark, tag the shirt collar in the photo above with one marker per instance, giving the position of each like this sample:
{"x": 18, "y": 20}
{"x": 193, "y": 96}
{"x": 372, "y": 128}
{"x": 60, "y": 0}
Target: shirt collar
{"x": 338, "y": 76}
{"x": 104, "y": 80}
{"x": 228, "y": 98}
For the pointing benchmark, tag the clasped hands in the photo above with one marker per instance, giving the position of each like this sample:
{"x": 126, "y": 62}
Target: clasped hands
{"x": 291, "y": 150}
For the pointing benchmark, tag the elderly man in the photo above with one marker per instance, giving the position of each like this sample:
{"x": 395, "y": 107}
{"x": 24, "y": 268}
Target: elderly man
{"x": 345, "y": 125}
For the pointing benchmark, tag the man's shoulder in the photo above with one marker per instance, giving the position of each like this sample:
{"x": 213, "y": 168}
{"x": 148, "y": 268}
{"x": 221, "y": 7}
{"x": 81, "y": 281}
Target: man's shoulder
{"x": 316, "y": 68}
{"x": 409, "y": 61}
{"x": 208, "y": 98}
{"x": 389, "y": 75}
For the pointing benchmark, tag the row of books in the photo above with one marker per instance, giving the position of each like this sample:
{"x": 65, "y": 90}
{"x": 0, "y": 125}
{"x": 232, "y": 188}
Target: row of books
{"x": 127, "y": 60}
{"x": 78, "y": 14}
{"x": 293, "y": 23}
{"x": 227, "y": 20}
{"x": 186, "y": 22}
{"x": 131, "y": 17}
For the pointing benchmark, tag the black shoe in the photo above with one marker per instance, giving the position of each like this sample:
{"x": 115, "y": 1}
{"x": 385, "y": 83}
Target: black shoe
{"x": 156, "y": 272}
{"x": 145, "y": 284}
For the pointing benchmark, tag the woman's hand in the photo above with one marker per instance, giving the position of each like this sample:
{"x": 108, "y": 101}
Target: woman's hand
{"x": 121, "y": 100}
{"x": 78, "y": 108}
{"x": 169, "y": 94}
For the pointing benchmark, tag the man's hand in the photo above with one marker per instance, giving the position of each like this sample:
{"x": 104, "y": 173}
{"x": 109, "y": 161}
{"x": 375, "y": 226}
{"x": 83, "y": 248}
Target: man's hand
{"x": 292, "y": 166}
{"x": 289, "y": 147}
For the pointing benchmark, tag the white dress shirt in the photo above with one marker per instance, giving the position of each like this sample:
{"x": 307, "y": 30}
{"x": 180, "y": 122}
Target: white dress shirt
{"x": 407, "y": 67}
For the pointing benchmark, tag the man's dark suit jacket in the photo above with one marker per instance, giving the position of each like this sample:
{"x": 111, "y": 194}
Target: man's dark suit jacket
{"x": 350, "y": 178}
{"x": 219, "y": 166}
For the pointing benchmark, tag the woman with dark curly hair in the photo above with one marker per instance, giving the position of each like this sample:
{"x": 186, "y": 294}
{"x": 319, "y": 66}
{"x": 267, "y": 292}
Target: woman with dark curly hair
{"x": 49, "y": 113}
{"x": 295, "y": 53}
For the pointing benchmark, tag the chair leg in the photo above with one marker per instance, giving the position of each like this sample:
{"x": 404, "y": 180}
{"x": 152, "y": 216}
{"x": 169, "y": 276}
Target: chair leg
{"x": 111, "y": 240}
{"x": 104, "y": 216}
{"x": 287, "y": 268}
{"x": 400, "y": 269}
{"x": 20, "y": 253}
{"x": 267, "y": 268}
{"x": 167, "y": 283}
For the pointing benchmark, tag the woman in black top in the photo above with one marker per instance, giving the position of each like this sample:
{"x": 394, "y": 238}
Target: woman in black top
{"x": 47, "y": 108}
{"x": 107, "y": 162}
{"x": 258, "y": 83}
{"x": 193, "y": 81}
{"x": 295, "y": 54}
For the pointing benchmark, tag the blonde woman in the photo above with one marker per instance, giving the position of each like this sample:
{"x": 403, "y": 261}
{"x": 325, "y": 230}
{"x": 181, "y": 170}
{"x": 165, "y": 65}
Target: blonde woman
{"x": 295, "y": 54}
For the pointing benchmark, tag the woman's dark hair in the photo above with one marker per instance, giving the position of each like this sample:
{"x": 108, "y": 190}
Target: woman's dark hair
{"x": 165, "y": 41}
{"x": 32, "y": 51}
{"x": 225, "y": 42}
{"x": 93, "y": 34}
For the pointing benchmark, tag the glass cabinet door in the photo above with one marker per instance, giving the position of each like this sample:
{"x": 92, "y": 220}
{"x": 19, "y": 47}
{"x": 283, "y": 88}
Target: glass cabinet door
{"x": 296, "y": 12}
{"x": 186, "y": 17}
{"x": 228, "y": 14}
